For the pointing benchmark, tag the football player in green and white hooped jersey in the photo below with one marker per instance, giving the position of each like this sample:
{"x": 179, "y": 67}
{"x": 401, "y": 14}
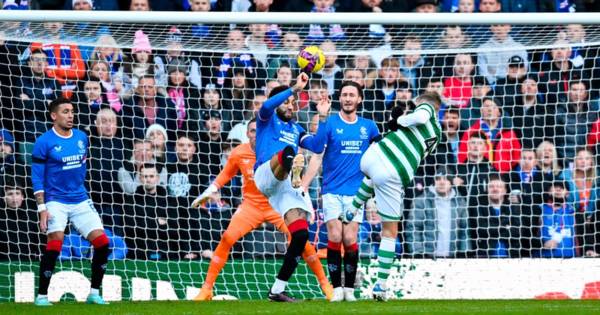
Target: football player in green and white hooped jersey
{"x": 390, "y": 165}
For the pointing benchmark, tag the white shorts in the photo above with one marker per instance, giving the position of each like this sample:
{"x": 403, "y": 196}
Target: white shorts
{"x": 389, "y": 193}
{"x": 334, "y": 206}
{"x": 282, "y": 196}
{"x": 83, "y": 217}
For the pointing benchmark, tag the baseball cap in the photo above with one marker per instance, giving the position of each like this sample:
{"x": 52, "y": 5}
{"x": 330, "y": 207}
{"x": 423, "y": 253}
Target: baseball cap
{"x": 516, "y": 61}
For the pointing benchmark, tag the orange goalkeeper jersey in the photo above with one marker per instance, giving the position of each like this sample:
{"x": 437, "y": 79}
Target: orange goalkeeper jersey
{"x": 242, "y": 158}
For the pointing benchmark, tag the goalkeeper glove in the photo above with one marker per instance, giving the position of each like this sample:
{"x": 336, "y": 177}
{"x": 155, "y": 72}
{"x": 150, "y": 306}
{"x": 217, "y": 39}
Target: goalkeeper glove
{"x": 204, "y": 196}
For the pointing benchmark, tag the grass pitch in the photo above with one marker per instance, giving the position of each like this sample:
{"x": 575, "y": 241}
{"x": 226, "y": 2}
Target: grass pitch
{"x": 570, "y": 307}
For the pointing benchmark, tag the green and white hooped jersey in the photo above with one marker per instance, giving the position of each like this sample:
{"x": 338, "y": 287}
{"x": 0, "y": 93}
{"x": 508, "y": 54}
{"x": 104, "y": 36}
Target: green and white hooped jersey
{"x": 407, "y": 147}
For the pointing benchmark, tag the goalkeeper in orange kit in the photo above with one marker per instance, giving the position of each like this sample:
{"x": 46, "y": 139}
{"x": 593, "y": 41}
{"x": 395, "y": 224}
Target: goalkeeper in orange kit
{"x": 254, "y": 210}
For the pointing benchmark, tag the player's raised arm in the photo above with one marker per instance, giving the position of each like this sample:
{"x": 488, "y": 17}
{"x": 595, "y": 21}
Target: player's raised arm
{"x": 269, "y": 106}
{"x": 422, "y": 113}
{"x": 316, "y": 143}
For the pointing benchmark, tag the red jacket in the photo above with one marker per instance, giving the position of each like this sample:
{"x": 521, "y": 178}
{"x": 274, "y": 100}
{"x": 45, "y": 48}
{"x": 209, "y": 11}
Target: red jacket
{"x": 594, "y": 135}
{"x": 64, "y": 61}
{"x": 503, "y": 152}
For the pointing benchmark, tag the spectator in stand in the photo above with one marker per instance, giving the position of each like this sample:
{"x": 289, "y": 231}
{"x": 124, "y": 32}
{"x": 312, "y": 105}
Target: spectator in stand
{"x": 503, "y": 145}
{"x": 147, "y": 108}
{"x": 317, "y": 88}
{"x": 85, "y": 33}
{"x": 7, "y": 153}
{"x": 291, "y": 42}
{"x": 175, "y": 54}
{"x": 571, "y": 123}
{"x": 37, "y": 91}
{"x": 458, "y": 89}
{"x": 90, "y": 101}
{"x": 466, "y": 6}
{"x": 129, "y": 173}
{"x": 556, "y": 73}
{"x": 98, "y": 5}
{"x": 490, "y": 6}
{"x": 212, "y": 101}
{"x": 414, "y": 67}
{"x": 387, "y": 83}
{"x": 284, "y": 75}
{"x": 528, "y": 114}
{"x": 238, "y": 132}
{"x": 10, "y": 77}
{"x": 331, "y": 73}
{"x": 19, "y": 236}
{"x": 582, "y": 183}
{"x": 583, "y": 54}
{"x": 140, "y": 64}
{"x": 494, "y": 59}
{"x": 558, "y": 223}
{"x": 318, "y": 33}
{"x": 472, "y": 113}
{"x": 161, "y": 147}
{"x": 257, "y": 42}
{"x": 211, "y": 141}
{"x": 549, "y": 170}
{"x": 223, "y": 63}
{"x": 236, "y": 96}
{"x": 473, "y": 177}
{"x": 106, "y": 156}
{"x": 498, "y": 223}
{"x": 112, "y": 87}
{"x": 593, "y": 140}
{"x": 521, "y": 183}
{"x": 452, "y": 37}
{"x": 184, "y": 95}
{"x": 139, "y": 5}
{"x": 437, "y": 222}
{"x": 200, "y": 31}
{"x": 65, "y": 62}
{"x": 426, "y": 6}
{"x": 185, "y": 173}
{"x": 507, "y": 88}
{"x": 149, "y": 220}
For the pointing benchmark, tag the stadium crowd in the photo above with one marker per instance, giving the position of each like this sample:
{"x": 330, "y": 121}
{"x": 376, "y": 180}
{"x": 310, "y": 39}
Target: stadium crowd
{"x": 515, "y": 174}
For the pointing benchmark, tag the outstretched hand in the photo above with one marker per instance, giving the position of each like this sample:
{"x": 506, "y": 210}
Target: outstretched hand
{"x": 301, "y": 82}
{"x": 324, "y": 106}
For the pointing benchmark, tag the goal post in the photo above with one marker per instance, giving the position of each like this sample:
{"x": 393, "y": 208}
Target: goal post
{"x": 520, "y": 122}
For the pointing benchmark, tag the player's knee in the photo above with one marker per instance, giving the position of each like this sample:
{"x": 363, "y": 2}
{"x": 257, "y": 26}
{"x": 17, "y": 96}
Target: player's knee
{"x": 54, "y": 245}
{"x": 100, "y": 241}
{"x": 229, "y": 238}
{"x": 299, "y": 231}
{"x": 285, "y": 158}
{"x": 349, "y": 239}
{"x": 334, "y": 237}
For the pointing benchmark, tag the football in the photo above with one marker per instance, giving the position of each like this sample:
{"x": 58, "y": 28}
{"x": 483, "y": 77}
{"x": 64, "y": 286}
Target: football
{"x": 311, "y": 59}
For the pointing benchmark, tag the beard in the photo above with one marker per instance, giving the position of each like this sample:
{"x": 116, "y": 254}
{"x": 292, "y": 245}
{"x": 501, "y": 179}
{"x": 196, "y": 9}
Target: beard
{"x": 281, "y": 114}
{"x": 559, "y": 201}
{"x": 348, "y": 112}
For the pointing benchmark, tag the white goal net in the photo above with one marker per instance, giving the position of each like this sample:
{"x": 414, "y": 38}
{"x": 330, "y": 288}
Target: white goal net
{"x": 515, "y": 175}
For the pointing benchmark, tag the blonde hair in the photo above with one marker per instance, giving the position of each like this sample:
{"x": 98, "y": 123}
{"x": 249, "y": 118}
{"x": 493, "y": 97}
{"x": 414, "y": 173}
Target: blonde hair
{"x": 106, "y": 41}
{"x": 539, "y": 153}
{"x": 591, "y": 174}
